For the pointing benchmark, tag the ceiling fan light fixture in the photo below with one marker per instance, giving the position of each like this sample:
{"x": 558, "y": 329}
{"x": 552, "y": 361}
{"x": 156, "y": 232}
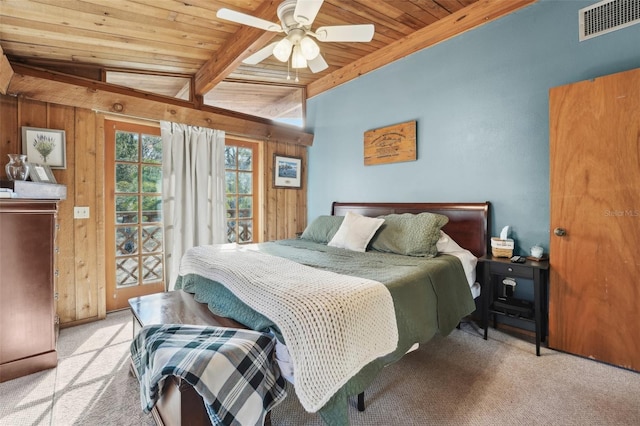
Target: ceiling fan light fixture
{"x": 299, "y": 48}
{"x": 309, "y": 48}
{"x": 282, "y": 50}
{"x": 297, "y": 59}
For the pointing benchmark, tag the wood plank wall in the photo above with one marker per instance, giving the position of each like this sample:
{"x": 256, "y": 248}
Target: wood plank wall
{"x": 285, "y": 209}
{"x": 80, "y": 242}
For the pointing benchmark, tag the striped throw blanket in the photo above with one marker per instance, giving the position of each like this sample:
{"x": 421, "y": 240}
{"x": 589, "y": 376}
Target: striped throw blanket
{"x": 233, "y": 370}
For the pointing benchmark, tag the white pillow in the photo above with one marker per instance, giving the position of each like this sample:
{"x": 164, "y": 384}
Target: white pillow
{"x": 355, "y": 232}
{"x": 447, "y": 245}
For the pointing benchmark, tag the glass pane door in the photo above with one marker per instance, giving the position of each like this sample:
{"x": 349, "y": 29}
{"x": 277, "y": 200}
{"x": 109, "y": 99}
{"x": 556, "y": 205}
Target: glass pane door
{"x": 134, "y": 231}
{"x": 241, "y": 182}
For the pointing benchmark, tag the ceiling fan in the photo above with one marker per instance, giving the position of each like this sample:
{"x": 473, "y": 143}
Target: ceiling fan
{"x": 298, "y": 46}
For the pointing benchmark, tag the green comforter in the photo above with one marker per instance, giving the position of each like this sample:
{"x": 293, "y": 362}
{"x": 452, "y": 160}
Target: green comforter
{"x": 430, "y": 296}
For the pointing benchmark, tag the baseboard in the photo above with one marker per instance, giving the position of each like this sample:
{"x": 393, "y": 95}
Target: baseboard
{"x": 25, "y": 366}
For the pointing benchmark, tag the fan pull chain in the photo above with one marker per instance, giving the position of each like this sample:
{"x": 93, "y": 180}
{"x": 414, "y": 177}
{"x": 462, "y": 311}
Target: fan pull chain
{"x": 297, "y": 79}
{"x": 288, "y": 68}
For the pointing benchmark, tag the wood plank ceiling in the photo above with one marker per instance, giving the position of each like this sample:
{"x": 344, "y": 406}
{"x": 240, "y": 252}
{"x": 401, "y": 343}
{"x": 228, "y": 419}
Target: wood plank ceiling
{"x": 185, "y": 39}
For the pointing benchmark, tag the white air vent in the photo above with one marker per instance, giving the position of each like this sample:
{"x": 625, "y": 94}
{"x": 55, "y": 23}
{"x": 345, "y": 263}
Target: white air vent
{"x": 606, "y": 16}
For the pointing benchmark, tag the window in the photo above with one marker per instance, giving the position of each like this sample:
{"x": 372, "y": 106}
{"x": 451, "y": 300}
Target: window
{"x": 283, "y": 104}
{"x": 241, "y": 176}
{"x": 174, "y": 86}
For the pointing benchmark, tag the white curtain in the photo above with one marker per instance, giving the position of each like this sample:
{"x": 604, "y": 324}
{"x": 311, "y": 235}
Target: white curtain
{"x": 193, "y": 191}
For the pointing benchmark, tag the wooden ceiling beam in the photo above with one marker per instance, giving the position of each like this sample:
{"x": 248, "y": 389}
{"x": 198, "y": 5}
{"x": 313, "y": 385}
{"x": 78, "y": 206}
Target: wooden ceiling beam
{"x": 58, "y": 88}
{"x": 470, "y": 17}
{"x": 6, "y": 72}
{"x": 245, "y": 42}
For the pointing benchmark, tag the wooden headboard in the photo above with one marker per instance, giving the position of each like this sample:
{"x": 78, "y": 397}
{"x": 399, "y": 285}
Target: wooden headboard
{"x": 468, "y": 222}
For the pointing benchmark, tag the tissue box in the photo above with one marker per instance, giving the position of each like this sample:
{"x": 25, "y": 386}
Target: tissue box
{"x": 502, "y": 248}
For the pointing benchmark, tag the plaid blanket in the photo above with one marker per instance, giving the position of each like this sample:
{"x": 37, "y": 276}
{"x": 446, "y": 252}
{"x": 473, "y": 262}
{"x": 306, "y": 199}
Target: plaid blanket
{"x": 233, "y": 370}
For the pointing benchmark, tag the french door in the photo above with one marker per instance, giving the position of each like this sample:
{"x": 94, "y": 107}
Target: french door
{"x": 133, "y": 219}
{"x": 241, "y": 179}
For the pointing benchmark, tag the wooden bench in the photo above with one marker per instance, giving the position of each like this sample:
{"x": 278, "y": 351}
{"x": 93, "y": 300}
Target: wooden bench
{"x": 179, "y": 403}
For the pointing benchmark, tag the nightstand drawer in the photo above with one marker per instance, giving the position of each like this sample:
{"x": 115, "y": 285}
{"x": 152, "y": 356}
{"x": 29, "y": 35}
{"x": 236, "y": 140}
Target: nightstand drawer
{"x": 512, "y": 269}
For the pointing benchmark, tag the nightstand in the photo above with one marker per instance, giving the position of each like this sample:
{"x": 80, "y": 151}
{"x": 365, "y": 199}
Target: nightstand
{"x": 495, "y": 270}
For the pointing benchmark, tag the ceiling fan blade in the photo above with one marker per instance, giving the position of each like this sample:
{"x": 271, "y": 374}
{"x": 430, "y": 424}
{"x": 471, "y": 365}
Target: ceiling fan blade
{"x": 306, "y": 11}
{"x": 243, "y": 18}
{"x": 260, "y": 55}
{"x": 317, "y": 64}
{"x": 346, "y": 33}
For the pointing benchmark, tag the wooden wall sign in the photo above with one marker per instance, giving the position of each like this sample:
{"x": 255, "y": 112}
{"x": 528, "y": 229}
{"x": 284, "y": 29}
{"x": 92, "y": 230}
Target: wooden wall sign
{"x": 392, "y": 144}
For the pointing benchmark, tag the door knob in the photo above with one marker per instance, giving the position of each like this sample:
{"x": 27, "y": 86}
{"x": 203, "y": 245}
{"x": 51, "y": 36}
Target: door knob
{"x": 560, "y": 232}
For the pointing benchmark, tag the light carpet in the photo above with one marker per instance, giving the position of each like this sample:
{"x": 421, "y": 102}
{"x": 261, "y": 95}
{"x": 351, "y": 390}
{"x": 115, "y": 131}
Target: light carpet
{"x": 456, "y": 380}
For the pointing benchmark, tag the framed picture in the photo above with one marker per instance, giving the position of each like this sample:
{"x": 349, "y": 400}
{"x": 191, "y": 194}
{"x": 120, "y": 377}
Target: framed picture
{"x": 41, "y": 173}
{"x": 44, "y": 146}
{"x": 287, "y": 172}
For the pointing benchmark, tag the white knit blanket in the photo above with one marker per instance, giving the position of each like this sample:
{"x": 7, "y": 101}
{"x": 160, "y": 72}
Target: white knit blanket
{"x": 333, "y": 324}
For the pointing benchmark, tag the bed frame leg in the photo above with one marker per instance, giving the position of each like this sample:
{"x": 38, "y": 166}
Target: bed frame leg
{"x": 361, "y": 401}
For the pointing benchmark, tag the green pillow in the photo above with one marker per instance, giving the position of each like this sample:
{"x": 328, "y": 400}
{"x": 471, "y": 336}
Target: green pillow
{"x": 322, "y": 229}
{"x": 409, "y": 234}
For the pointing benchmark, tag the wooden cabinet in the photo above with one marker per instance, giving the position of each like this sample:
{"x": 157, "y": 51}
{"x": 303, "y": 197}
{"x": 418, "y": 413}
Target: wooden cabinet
{"x": 27, "y": 308}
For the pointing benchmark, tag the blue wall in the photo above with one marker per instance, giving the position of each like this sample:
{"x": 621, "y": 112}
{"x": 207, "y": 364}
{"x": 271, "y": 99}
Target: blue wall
{"x": 481, "y": 103}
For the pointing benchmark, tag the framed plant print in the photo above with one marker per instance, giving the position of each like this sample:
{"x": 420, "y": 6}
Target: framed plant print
{"x": 287, "y": 172}
{"x": 44, "y": 146}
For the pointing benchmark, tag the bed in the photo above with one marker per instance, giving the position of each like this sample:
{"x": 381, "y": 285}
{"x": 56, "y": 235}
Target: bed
{"x": 440, "y": 305}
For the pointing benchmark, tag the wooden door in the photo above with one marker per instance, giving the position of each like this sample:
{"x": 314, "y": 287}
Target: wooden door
{"x": 594, "y": 308}
{"x": 133, "y": 221}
